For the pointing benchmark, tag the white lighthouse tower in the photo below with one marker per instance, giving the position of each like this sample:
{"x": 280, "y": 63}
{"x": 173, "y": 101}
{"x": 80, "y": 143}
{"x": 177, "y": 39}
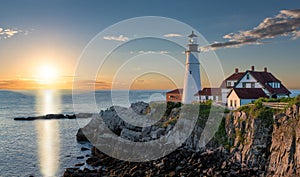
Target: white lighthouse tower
{"x": 192, "y": 82}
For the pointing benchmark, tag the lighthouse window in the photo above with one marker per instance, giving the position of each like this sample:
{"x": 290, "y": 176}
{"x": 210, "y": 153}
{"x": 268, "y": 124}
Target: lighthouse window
{"x": 190, "y": 72}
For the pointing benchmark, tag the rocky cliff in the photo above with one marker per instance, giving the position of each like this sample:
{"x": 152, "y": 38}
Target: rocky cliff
{"x": 252, "y": 141}
{"x": 266, "y": 139}
{"x": 284, "y": 159}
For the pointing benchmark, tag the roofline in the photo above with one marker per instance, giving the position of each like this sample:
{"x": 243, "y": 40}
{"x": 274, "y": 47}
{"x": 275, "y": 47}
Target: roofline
{"x": 245, "y": 88}
{"x": 230, "y": 92}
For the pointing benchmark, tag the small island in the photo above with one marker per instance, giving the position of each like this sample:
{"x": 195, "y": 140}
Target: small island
{"x": 54, "y": 116}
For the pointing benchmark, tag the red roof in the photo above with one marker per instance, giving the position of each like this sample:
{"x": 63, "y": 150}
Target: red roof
{"x": 209, "y": 91}
{"x": 265, "y": 78}
{"x": 234, "y": 76}
{"x": 249, "y": 93}
{"x": 176, "y": 91}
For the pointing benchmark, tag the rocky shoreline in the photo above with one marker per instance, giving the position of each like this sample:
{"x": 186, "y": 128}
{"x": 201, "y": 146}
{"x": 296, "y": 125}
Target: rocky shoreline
{"x": 252, "y": 141}
{"x": 182, "y": 162}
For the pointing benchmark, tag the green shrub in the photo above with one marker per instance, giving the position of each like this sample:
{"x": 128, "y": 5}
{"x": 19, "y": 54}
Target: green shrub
{"x": 245, "y": 108}
{"x": 221, "y": 135}
{"x": 170, "y": 106}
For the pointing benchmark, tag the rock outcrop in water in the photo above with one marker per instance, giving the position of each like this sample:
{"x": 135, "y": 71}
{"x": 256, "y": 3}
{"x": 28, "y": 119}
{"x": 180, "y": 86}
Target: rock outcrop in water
{"x": 252, "y": 141}
{"x": 55, "y": 116}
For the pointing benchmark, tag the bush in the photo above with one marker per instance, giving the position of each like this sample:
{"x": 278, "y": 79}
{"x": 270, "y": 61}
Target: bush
{"x": 259, "y": 103}
{"x": 170, "y": 106}
{"x": 245, "y": 108}
{"x": 221, "y": 135}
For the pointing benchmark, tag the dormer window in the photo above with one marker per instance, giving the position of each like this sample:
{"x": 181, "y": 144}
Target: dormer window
{"x": 274, "y": 84}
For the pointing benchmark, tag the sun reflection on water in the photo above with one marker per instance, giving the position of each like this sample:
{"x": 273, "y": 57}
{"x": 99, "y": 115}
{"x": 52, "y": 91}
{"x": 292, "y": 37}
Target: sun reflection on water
{"x": 47, "y": 102}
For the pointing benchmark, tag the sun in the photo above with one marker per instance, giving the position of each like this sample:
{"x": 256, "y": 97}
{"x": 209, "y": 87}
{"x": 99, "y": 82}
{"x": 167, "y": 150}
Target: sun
{"x": 47, "y": 74}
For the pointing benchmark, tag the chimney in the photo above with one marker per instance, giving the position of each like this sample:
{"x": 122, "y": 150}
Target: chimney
{"x": 236, "y": 70}
{"x": 266, "y": 69}
{"x": 252, "y": 68}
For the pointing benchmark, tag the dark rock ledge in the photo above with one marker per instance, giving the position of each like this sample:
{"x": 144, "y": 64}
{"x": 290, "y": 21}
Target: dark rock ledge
{"x": 55, "y": 116}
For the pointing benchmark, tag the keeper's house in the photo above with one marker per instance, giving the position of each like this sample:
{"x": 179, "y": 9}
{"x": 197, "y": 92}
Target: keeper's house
{"x": 253, "y": 85}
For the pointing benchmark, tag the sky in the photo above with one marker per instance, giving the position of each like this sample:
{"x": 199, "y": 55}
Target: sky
{"x": 43, "y": 42}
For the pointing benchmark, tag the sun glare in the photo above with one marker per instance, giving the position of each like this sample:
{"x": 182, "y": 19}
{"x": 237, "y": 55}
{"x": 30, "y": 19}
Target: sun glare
{"x": 47, "y": 74}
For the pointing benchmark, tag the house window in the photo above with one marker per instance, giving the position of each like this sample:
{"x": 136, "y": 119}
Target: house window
{"x": 206, "y": 97}
{"x": 190, "y": 72}
{"x": 235, "y": 103}
{"x": 214, "y": 98}
{"x": 230, "y": 103}
{"x": 244, "y": 84}
{"x": 247, "y": 77}
{"x": 276, "y": 85}
{"x": 228, "y": 84}
{"x": 252, "y": 85}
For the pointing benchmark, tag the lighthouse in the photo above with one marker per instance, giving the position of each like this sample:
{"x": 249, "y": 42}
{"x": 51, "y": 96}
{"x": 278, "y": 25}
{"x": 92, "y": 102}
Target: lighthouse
{"x": 192, "y": 81}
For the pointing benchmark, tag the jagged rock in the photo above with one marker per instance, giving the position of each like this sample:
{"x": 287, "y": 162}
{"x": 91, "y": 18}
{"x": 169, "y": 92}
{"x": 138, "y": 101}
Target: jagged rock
{"x": 130, "y": 134}
{"x": 157, "y": 133}
{"x": 80, "y": 136}
{"x": 285, "y": 148}
{"x": 140, "y": 108}
{"x": 251, "y": 137}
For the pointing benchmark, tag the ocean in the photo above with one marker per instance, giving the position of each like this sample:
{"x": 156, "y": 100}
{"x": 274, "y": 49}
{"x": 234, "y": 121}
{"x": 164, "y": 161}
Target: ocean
{"x": 47, "y": 147}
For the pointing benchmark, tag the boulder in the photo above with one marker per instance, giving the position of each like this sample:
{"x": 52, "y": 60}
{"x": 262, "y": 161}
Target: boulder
{"x": 130, "y": 134}
{"x": 141, "y": 108}
{"x": 80, "y": 136}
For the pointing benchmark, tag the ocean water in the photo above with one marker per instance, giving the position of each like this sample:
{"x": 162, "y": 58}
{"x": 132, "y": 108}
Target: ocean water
{"x": 47, "y": 147}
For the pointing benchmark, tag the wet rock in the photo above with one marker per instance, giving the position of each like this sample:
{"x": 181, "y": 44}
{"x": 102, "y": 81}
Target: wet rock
{"x": 79, "y": 164}
{"x": 80, "y": 136}
{"x": 54, "y": 116}
{"x": 80, "y": 157}
{"x": 84, "y": 149}
{"x": 71, "y": 116}
{"x": 93, "y": 161}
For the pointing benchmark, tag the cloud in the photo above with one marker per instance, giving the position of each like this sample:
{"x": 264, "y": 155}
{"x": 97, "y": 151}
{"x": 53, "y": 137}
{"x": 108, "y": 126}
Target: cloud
{"x": 296, "y": 35}
{"x": 6, "y": 33}
{"x": 18, "y": 84}
{"x": 150, "y": 52}
{"x": 116, "y": 38}
{"x": 172, "y": 35}
{"x": 286, "y": 23}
